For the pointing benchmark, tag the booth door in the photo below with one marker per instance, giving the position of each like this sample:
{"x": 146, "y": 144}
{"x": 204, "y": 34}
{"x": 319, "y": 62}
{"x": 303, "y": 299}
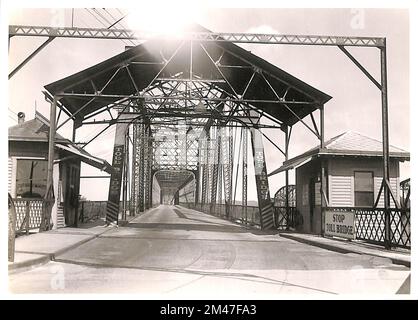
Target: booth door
{"x": 311, "y": 204}
{"x": 71, "y": 197}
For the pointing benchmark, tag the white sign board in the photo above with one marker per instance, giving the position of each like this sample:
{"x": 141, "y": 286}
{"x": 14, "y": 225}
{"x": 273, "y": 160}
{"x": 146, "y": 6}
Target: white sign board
{"x": 340, "y": 224}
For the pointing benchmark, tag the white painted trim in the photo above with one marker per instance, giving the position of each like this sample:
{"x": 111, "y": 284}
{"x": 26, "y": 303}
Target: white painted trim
{"x": 30, "y": 158}
{"x": 13, "y": 182}
{"x": 330, "y": 189}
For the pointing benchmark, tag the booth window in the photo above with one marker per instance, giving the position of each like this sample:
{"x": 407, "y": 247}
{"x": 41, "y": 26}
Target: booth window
{"x": 31, "y": 178}
{"x": 363, "y": 189}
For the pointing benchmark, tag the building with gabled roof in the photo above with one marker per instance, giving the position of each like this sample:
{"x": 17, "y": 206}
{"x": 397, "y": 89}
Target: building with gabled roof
{"x": 353, "y": 171}
{"x": 27, "y": 171}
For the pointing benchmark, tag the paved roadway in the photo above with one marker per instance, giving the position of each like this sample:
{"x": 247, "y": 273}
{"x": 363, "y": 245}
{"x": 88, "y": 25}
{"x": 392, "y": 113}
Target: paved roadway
{"x": 177, "y": 253}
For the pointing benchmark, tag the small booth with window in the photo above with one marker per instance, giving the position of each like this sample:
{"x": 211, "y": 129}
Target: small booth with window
{"x": 27, "y": 173}
{"x": 352, "y": 169}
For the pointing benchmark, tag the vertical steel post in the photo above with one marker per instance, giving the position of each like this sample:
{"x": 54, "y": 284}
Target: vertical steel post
{"x": 385, "y": 134}
{"x": 118, "y": 163}
{"x": 125, "y": 176}
{"x": 147, "y": 173}
{"x": 261, "y": 180}
{"x": 49, "y": 194}
{"x": 74, "y": 131}
{"x": 197, "y": 175}
{"x": 227, "y": 145}
{"x": 141, "y": 191}
{"x": 205, "y": 166}
{"x": 51, "y": 144}
{"x": 150, "y": 171}
{"x": 286, "y": 156}
{"x": 244, "y": 173}
{"x": 322, "y": 137}
{"x": 134, "y": 171}
{"x": 215, "y": 166}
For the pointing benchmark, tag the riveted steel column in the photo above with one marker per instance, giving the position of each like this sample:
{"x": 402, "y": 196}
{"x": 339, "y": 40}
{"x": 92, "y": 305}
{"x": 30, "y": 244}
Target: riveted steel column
{"x": 135, "y": 167}
{"x": 244, "y": 173}
{"x": 263, "y": 193}
{"x": 286, "y": 157}
{"x": 215, "y": 168}
{"x": 385, "y": 134}
{"x": 49, "y": 194}
{"x": 141, "y": 191}
{"x": 323, "y": 187}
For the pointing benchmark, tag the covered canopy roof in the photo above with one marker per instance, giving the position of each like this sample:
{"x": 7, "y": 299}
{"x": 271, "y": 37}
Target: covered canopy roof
{"x": 346, "y": 144}
{"x": 224, "y": 65}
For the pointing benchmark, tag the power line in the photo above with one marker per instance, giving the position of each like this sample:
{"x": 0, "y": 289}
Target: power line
{"x": 117, "y": 21}
{"x": 101, "y": 22}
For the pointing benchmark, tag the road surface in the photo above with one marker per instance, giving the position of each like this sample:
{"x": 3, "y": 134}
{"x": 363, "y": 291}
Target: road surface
{"x": 171, "y": 252}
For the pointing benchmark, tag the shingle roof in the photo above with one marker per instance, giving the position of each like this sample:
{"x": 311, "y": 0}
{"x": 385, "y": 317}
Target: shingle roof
{"x": 349, "y": 143}
{"x": 354, "y": 141}
{"x": 35, "y": 130}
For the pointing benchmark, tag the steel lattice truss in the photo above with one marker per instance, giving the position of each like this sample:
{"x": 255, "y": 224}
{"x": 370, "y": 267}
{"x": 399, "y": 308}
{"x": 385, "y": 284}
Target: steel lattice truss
{"x": 170, "y": 101}
{"x": 184, "y": 99}
{"x": 126, "y": 34}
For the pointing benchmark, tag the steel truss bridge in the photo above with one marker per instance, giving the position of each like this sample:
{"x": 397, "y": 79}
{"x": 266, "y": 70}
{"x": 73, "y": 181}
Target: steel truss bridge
{"x": 188, "y": 109}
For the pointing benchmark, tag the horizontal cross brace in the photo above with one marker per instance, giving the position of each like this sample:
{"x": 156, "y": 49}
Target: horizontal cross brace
{"x": 126, "y": 34}
{"x": 150, "y": 99}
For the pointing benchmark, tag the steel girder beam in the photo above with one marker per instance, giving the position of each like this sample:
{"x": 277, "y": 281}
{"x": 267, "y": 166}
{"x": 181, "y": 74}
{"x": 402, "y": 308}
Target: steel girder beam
{"x": 147, "y": 168}
{"x": 135, "y": 168}
{"x": 227, "y": 165}
{"x": 216, "y": 147}
{"x": 204, "y": 163}
{"x": 126, "y": 34}
{"x": 119, "y": 153}
{"x": 159, "y": 99}
{"x": 244, "y": 172}
{"x": 33, "y": 54}
{"x": 263, "y": 193}
{"x": 141, "y": 190}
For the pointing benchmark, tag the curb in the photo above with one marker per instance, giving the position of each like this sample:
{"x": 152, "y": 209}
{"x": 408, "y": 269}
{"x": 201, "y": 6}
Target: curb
{"x": 339, "y": 249}
{"x": 47, "y": 257}
{"x": 29, "y": 264}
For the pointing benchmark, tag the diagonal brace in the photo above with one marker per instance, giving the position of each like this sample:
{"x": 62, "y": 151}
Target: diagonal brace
{"x": 363, "y": 69}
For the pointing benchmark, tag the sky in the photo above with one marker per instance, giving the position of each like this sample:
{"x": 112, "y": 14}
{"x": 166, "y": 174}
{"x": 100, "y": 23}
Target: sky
{"x": 356, "y": 102}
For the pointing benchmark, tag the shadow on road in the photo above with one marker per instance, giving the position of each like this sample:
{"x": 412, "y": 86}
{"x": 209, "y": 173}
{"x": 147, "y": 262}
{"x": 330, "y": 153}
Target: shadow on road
{"x": 188, "y": 227}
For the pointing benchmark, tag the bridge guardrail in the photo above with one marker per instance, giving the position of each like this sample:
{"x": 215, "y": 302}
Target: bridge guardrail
{"x": 370, "y": 225}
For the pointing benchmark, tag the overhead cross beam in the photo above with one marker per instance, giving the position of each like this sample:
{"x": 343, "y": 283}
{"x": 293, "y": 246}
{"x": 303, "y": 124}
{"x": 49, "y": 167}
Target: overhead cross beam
{"x": 127, "y": 34}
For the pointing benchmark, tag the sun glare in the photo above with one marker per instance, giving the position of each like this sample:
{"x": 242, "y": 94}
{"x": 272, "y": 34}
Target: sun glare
{"x": 164, "y": 19}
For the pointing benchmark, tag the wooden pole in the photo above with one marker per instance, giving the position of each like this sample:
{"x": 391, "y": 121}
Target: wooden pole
{"x": 12, "y": 229}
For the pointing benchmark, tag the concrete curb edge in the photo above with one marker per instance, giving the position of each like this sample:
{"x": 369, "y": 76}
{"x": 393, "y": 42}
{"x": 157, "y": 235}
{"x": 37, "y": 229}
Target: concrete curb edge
{"x": 343, "y": 250}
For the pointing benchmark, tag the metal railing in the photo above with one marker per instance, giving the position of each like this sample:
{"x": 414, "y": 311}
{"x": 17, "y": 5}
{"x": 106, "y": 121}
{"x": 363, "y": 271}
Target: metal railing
{"x": 91, "y": 210}
{"x": 237, "y": 213}
{"x": 284, "y": 220}
{"x": 28, "y": 213}
{"x": 370, "y": 225}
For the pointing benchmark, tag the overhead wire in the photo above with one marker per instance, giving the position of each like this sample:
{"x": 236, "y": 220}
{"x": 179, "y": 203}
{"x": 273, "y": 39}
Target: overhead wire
{"x": 119, "y": 22}
{"x": 102, "y": 23}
